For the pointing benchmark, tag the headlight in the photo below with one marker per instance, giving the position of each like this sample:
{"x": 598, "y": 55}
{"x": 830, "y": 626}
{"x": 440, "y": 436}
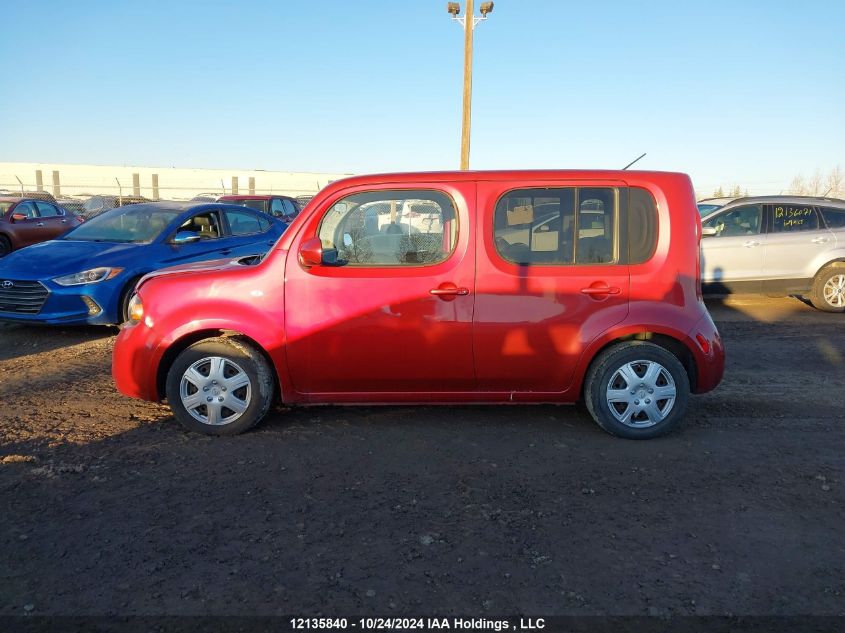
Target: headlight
{"x": 136, "y": 309}
{"x": 93, "y": 276}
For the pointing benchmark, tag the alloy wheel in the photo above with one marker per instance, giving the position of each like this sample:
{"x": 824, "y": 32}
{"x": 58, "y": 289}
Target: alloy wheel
{"x": 834, "y": 291}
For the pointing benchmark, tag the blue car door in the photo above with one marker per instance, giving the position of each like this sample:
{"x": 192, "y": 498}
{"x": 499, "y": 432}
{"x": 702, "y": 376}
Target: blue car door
{"x": 212, "y": 240}
{"x": 249, "y": 233}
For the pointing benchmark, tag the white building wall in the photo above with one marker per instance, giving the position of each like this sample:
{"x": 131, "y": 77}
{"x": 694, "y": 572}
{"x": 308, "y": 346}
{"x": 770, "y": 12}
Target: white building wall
{"x": 173, "y": 183}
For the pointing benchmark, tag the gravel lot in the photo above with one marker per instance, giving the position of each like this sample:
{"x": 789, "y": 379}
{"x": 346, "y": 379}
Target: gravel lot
{"x": 107, "y": 507}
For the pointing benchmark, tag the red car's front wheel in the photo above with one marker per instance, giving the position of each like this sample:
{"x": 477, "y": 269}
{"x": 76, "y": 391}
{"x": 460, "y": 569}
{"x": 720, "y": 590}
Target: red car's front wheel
{"x": 220, "y": 386}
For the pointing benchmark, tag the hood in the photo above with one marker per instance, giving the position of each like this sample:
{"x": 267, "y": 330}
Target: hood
{"x": 213, "y": 265}
{"x": 62, "y": 257}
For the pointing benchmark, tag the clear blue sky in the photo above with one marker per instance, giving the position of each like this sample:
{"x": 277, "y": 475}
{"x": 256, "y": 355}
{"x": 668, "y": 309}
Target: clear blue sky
{"x": 729, "y": 91}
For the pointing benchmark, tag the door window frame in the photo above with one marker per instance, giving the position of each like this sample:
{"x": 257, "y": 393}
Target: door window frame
{"x": 457, "y": 192}
{"x": 488, "y": 229}
{"x": 400, "y": 264}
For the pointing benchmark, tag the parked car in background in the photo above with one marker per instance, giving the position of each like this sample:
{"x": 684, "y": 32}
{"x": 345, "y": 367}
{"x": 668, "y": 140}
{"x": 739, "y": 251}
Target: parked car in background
{"x": 206, "y": 197}
{"x": 451, "y": 311}
{"x": 88, "y": 275}
{"x": 95, "y": 205}
{"x": 709, "y": 205}
{"x": 25, "y": 221}
{"x": 72, "y": 205}
{"x": 46, "y": 196}
{"x": 283, "y": 207}
{"x": 785, "y": 245}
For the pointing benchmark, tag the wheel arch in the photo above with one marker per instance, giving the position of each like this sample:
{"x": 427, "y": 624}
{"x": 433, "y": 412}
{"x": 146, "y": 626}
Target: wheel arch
{"x": 838, "y": 262}
{"x": 672, "y": 344}
{"x": 185, "y": 341}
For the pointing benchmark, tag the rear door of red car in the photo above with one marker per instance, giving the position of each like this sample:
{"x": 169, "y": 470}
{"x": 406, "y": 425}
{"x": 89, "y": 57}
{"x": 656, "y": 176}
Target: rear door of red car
{"x": 549, "y": 279}
{"x": 392, "y": 321}
{"x": 53, "y": 220}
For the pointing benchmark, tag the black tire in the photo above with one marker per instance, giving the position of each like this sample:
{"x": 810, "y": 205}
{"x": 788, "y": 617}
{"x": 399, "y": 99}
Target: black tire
{"x": 239, "y": 355}
{"x": 817, "y": 298}
{"x": 5, "y": 246}
{"x": 604, "y": 369}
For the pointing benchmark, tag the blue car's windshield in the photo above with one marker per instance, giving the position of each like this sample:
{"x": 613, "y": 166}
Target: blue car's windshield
{"x": 135, "y": 224}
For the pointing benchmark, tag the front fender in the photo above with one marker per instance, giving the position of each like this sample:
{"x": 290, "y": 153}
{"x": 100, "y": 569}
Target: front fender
{"x": 253, "y": 323}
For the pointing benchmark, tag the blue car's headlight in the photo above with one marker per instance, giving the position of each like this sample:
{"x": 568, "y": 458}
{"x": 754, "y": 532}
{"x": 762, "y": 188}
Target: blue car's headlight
{"x": 93, "y": 276}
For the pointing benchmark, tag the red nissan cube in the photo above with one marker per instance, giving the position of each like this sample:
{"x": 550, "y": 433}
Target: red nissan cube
{"x": 505, "y": 287}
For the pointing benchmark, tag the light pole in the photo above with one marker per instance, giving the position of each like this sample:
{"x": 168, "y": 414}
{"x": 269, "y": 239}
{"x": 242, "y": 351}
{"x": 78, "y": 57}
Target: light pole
{"x": 469, "y": 22}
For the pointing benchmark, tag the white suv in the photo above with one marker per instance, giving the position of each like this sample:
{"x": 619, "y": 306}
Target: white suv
{"x": 788, "y": 245}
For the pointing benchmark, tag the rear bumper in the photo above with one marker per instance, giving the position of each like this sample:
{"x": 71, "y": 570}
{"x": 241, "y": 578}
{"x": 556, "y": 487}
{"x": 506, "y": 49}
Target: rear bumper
{"x": 709, "y": 352}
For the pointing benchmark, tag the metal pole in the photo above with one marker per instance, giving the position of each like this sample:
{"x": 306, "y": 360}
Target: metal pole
{"x": 469, "y": 27}
{"x": 119, "y": 192}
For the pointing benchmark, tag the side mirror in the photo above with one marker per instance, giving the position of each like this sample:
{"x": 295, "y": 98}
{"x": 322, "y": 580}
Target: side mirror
{"x": 311, "y": 252}
{"x": 186, "y": 237}
{"x": 18, "y": 217}
{"x": 708, "y": 231}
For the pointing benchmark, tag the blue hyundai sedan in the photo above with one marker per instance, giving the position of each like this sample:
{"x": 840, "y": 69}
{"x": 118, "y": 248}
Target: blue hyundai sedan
{"x": 88, "y": 274}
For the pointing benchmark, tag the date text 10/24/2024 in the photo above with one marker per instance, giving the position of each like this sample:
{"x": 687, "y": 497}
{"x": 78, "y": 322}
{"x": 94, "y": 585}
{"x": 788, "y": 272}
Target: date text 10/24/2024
{"x": 419, "y": 624}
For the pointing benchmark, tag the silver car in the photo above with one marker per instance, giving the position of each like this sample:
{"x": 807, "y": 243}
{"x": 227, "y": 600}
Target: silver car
{"x": 787, "y": 245}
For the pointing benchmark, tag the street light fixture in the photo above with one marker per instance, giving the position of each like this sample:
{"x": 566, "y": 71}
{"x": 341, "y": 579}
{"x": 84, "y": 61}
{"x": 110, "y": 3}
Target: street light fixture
{"x": 468, "y": 22}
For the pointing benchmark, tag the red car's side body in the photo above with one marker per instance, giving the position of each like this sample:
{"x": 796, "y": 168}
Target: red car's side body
{"x": 504, "y": 332}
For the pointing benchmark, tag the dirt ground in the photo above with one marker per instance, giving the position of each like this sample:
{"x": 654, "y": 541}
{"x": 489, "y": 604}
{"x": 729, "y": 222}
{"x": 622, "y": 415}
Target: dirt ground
{"x": 108, "y": 507}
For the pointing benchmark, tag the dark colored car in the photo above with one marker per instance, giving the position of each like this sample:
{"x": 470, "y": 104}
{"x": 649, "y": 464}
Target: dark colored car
{"x": 283, "y": 207}
{"x": 72, "y": 205}
{"x": 25, "y": 221}
{"x": 470, "y": 300}
{"x": 89, "y": 274}
{"x": 95, "y": 205}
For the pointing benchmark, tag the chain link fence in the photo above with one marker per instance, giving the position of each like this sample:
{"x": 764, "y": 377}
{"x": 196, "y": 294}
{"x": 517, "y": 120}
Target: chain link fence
{"x": 82, "y": 191}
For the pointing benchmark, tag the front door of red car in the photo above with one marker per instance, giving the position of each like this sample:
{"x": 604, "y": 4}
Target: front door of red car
{"x": 28, "y": 229}
{"x": 549, "y": 280}
{"x": 386, "y": 313}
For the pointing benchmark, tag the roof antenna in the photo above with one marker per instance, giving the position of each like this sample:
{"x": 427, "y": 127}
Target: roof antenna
{"x": 633, "y": 161}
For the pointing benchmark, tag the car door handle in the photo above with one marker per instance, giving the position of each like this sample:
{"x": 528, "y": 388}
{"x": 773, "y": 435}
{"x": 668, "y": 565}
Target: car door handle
{"x": 820, "y": 240}
{"x": 751, "y": 243}
{"x": 601, "y": 290}
{"x": 226, "y": 251}
{"x": 448, "y": 290}
{"x": 39, "y": 224}
{"x": 64, "y": 221}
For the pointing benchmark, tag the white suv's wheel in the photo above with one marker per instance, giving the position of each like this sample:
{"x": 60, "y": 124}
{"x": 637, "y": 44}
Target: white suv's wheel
{"x": 828, "y": 292}
{"x": 636, "y": 390}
